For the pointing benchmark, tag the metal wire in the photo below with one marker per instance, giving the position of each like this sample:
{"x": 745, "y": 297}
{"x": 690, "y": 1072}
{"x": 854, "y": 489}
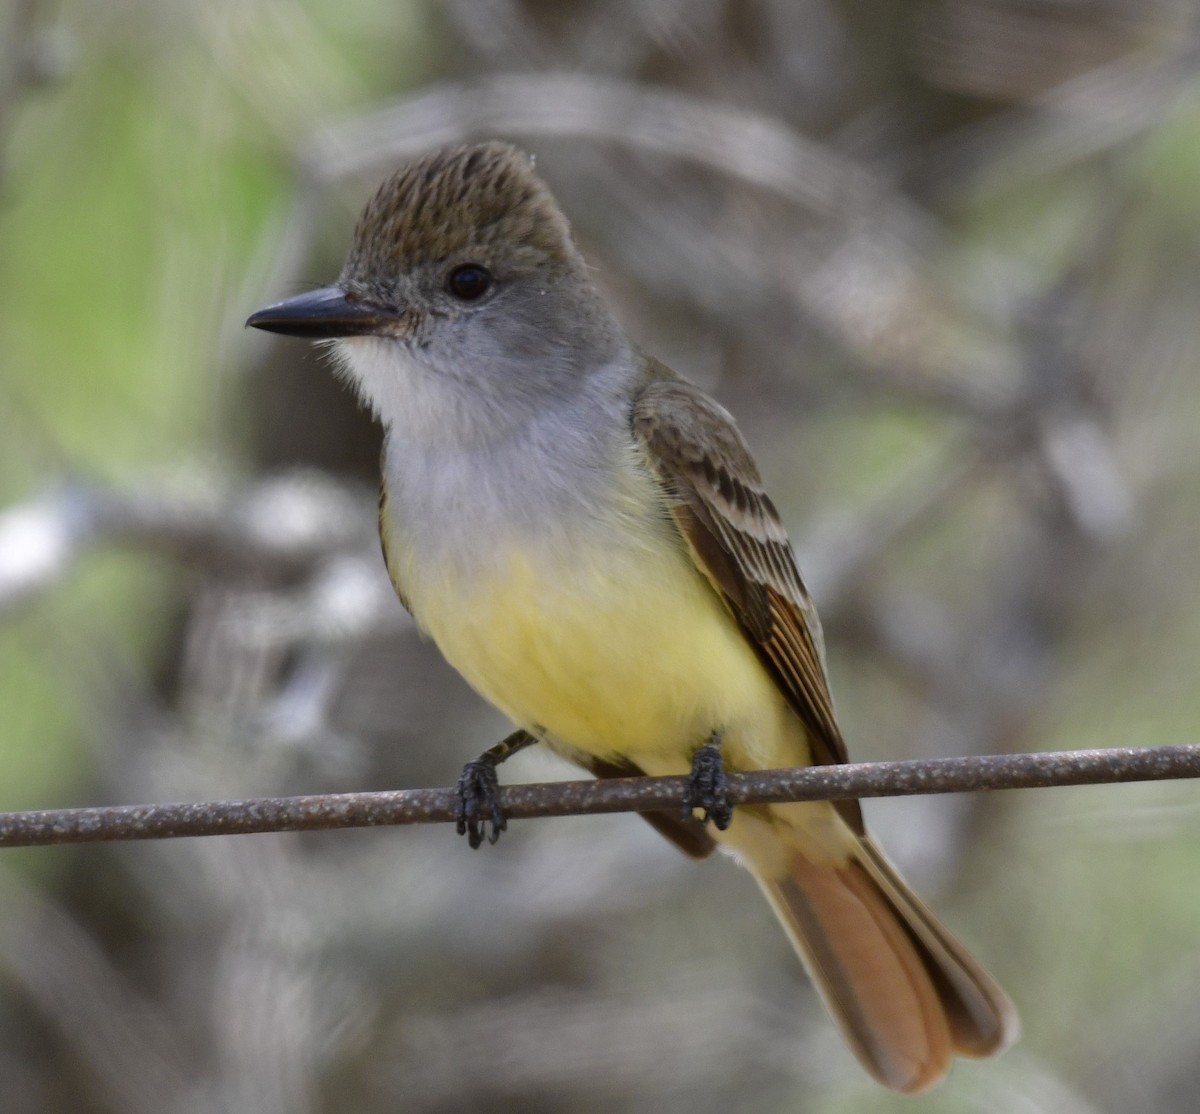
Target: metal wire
{"x": 568, "y": 798}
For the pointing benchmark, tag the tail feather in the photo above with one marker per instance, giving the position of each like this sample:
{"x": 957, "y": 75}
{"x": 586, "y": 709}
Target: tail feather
{"x": 982, "y": 1019}
{"x": 906, "y": 993}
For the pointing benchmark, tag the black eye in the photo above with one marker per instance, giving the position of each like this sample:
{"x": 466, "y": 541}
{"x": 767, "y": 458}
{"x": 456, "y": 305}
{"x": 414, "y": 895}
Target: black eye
{"x": 469, "y": 282}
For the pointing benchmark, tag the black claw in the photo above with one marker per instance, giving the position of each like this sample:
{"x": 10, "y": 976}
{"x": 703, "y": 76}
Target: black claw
{"x": 479, "y": 803}
{"x": 707, "y": 788}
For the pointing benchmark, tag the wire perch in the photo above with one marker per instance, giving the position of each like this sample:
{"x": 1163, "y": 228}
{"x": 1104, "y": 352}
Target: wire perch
{"x": 576, "y": 798}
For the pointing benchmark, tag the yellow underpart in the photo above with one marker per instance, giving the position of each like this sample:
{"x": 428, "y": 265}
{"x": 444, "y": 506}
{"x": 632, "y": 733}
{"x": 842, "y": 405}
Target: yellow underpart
{"x": 628, "y": 650}
{"x": 625, "y": 650}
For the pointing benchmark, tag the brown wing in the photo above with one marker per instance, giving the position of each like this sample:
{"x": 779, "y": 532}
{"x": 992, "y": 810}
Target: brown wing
{"x": 717, "y": 500}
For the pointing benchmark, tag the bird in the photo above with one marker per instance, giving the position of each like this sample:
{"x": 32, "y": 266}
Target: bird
{"x": 585, "y": 536}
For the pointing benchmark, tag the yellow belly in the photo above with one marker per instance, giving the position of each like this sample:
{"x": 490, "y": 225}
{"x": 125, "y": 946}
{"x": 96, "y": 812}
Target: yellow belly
{"x": 626, "y": 651}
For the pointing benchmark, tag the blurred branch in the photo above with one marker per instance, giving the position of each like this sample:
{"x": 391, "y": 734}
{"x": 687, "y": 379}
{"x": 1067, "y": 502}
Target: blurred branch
{"x": 844, "y": 550}
{"x": 1086, "y": 116}
{"x": 581, "y": 798}
{"x": 283, "y": 525}
{"x": 137, "y": 1063}
{"x": 745, "y": 145}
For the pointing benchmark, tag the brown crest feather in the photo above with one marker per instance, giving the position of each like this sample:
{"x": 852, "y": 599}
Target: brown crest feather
{"x": 481, "y": 203}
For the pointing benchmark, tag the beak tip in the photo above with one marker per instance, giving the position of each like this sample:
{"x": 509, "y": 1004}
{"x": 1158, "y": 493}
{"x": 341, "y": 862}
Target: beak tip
{"x": 320, "y": 314}
{"x": 259, "y": 319}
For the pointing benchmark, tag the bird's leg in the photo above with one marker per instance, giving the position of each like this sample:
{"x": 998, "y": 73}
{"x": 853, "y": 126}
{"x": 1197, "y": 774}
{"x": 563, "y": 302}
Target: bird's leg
{"x": 707, "y": 788}
{"x": 479, "y": 790}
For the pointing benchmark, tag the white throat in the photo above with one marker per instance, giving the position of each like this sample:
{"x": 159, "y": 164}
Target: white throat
{"x": 471, "y": 464}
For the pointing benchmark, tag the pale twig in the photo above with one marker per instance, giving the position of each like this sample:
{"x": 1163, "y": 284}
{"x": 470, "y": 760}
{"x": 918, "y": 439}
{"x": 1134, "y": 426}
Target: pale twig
{"x": 1089, "y": 115}
{"x": 580, "y": 798}
{"x": 285, "y": 524}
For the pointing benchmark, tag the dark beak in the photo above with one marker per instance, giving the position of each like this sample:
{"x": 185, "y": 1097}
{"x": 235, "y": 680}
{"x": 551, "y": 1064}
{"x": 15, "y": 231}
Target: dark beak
{"x": 324, "y": 314}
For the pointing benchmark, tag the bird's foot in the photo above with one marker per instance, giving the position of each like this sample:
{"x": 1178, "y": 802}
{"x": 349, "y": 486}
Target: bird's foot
{"x": 707, "y": 788}
{"x": 479, "y": 803}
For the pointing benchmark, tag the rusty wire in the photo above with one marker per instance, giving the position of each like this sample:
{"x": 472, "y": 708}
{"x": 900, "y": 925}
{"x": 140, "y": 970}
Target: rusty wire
{"x": 573, "y": 798}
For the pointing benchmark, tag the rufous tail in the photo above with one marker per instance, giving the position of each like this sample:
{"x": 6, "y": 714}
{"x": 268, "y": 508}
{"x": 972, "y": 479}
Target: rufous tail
{"x": 906, "y": 993}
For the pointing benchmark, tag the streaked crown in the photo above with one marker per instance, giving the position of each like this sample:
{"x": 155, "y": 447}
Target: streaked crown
{"x": 482, "y": 202}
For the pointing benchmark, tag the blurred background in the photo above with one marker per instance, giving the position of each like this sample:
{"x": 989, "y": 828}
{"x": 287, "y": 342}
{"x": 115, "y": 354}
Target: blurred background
{"x": 939, "y": 257}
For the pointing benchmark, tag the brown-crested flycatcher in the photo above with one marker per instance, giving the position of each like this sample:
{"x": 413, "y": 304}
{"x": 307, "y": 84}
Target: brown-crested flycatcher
{"x": 586, "y": 537}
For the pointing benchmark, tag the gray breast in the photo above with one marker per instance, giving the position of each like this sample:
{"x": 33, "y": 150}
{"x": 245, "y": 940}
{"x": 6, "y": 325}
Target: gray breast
{"x": 561, "y": 485}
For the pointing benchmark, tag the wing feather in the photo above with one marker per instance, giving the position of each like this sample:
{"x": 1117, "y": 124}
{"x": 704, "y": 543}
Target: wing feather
{"x": 731, "y": 528}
